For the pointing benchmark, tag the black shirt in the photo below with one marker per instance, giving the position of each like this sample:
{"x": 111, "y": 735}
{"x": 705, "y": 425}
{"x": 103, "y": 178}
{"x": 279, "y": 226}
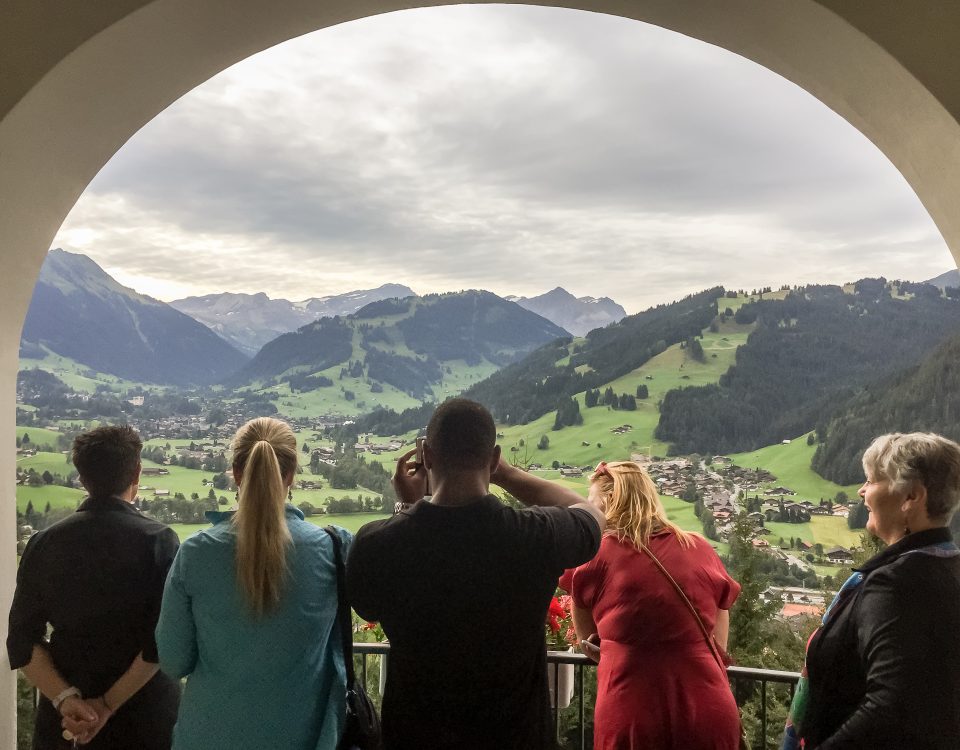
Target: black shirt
{"x": 462, "y": 594}
{"x": 885, "y": 670}
{"x": 97, "y": 578}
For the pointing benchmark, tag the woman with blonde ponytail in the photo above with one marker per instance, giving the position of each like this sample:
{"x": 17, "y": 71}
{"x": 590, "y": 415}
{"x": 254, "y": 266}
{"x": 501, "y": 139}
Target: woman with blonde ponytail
{"x": 659, "y": 683}
{"x": 249, "y": 614}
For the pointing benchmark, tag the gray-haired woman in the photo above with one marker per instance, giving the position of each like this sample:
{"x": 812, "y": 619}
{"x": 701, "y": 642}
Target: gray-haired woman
{"x": 883, "y": 671}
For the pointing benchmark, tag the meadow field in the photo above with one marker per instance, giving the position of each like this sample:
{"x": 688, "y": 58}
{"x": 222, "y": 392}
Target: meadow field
{"x": 791, "y": 465}
{"x": 179, "y": 479}
{"x": 38, "y": 435}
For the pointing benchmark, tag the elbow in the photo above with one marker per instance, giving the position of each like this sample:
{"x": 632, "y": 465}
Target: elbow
{"x": 174, "y": 661}
{"x": 178, "y": 668}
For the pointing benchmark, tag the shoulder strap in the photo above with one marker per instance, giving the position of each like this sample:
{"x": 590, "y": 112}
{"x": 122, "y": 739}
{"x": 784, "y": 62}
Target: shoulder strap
{"x": 693, "y": 610}
{"x": 344, "y": 619}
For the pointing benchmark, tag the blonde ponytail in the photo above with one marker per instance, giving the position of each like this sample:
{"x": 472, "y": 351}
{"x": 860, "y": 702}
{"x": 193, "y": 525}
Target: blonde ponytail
{"x": 265, "y": 454}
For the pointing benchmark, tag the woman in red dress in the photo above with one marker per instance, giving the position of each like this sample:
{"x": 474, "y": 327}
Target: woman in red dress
{"x": 659, "y": 684}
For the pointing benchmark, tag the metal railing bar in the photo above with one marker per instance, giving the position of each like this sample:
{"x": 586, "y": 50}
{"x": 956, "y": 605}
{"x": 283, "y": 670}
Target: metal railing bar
{"x": 763, "y": 714}
{"x": 556, "y": 702}
{"x": 766, "y": 675}
{"x": 737, "y": 675}
{"x": 583, "y": 730}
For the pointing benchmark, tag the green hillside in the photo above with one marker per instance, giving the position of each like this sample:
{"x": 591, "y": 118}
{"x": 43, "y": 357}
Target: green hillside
{"x": 39, "y": 435}
{"x": 790, "y": 463}
{"x": 810, "y": 353}
{"x": 79, "y": 377}
{"x": 666, "y": 371}
{"x": 58, "y": 497}
{"x": 523, "y": 392}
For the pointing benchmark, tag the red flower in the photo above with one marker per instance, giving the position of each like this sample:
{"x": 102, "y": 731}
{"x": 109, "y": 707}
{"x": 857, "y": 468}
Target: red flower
{"x": 571, "y": 636}
{"x": 369, "y": 626}
{"x": 554, "y": 614}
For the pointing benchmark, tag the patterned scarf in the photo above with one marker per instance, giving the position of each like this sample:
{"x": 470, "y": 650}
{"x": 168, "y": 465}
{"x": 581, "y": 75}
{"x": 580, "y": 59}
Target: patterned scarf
{"x": 793, "y": 732}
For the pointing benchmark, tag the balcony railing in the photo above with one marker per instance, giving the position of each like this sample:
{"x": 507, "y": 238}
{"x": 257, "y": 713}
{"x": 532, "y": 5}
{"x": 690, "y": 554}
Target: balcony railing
{"x": 747, "y": 684}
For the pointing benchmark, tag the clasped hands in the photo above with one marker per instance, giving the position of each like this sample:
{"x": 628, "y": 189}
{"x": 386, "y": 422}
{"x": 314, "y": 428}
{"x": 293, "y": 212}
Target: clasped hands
{"x": 83, "y": 719}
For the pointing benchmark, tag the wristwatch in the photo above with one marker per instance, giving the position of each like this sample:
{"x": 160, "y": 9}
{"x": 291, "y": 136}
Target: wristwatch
{"x": 70, "y": 692}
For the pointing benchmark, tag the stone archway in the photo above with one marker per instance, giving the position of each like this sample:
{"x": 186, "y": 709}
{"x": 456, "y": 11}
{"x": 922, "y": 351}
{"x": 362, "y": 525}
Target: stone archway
{"x": 79, "y": 79}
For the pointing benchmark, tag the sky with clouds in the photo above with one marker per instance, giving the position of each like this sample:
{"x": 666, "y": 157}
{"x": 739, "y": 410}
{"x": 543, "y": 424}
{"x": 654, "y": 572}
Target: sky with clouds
{"x": 511, "y": 148}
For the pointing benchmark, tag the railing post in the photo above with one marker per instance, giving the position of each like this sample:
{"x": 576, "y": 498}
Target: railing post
{"x": 580, "y": 697}
{"x": 556, "y": 702}
{"x": 763, "y": 714}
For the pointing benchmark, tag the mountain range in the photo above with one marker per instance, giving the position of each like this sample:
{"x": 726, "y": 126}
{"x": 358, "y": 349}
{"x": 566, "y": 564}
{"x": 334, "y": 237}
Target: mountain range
{"x": 395, "y": 339}
{"x": 948, "y": 278}
{"x": 81, "y": 312}
{"x": 405, "y": 343}
{"x": 248, "y": 321}
{"x": 579, "y": 315}
{"x": 844, "y": 362}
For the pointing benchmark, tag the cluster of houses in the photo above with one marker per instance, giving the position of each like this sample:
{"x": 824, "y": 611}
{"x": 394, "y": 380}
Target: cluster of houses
{"x": 179, "y": 427}
{"x": 719, "y": 484}
{"x": 571, "y": 472}
{"x": 796, "y": 602}
{"x": 800, "y": 511}
{"x": 363, "y": 445}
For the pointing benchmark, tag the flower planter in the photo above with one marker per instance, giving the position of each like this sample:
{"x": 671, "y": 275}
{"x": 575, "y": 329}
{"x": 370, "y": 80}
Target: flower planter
{"x": 566, "y": 678}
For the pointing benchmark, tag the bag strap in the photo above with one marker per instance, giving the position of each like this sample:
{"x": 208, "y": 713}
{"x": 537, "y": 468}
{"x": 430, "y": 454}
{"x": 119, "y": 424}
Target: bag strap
{"x": 344, "y": 620}
{"x": 693, "y": 610}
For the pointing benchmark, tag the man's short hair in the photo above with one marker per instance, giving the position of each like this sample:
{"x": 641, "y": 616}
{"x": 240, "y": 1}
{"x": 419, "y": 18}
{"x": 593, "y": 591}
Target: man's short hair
{"x": 107, "y": 458}
{"x": 461, "y": 436}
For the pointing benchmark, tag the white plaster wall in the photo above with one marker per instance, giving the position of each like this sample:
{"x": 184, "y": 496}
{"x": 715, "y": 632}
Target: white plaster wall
{"x": 67, "y": 127}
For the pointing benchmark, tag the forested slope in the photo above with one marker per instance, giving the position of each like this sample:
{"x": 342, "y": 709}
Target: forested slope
{"x": 529, "y": 389}
{"x": 810, "y": 353}
{"x": 924, "y": 398}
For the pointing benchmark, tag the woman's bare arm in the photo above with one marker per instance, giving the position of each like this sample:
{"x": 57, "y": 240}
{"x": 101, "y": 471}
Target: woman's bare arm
{"x": 721, "y": 631}
{"x": 585, "y": 626}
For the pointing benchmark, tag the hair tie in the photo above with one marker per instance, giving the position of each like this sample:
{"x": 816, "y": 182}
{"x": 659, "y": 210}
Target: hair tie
{"x": 602, "y": 470}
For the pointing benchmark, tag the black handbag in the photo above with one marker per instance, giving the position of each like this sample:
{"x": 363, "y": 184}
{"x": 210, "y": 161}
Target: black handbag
{"x": 362, "y": 728}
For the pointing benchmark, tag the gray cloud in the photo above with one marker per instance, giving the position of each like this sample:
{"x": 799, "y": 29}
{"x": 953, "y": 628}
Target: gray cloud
{"x": 511, "y": 148}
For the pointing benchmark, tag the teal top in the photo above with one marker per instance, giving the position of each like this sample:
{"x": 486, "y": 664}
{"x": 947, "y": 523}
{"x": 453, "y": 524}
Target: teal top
{"x": 254, "y": 683}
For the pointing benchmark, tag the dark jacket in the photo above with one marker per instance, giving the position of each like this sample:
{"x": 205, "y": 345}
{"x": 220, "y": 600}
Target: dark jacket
{"x": 885, "y": 670}
{"x": 96, "y": 578}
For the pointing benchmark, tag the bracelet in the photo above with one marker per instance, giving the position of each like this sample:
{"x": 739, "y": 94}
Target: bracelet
{"x": 70, "y": 692}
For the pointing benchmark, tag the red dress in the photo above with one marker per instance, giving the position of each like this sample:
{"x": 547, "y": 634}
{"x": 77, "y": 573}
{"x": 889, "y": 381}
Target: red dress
{"x": 659, "y": 687}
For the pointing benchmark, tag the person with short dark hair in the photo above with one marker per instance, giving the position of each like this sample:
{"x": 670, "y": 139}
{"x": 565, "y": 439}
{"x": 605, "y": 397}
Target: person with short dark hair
{"x": 96, "y": 578}
{"x": 461, "y": 584}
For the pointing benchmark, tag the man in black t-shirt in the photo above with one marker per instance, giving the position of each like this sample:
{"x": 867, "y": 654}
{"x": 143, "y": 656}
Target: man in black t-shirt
{"x": 461, "y": 584}
{"x": 96, "y": 578}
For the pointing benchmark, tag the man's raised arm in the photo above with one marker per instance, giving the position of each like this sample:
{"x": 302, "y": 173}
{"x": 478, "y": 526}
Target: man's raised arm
{"x": 531, "y": 490}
